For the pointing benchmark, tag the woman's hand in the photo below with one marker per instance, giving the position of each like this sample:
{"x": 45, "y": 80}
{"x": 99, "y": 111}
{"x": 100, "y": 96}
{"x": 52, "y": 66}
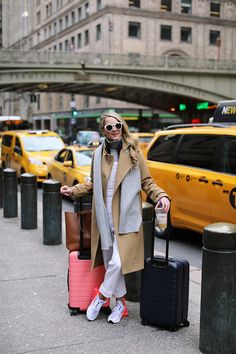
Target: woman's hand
{"x": 164, "y": 203}
{"x": 67, "y": 191}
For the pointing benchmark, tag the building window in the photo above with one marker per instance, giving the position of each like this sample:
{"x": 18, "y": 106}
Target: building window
{"x": 45, "y": 33}
{"x": 98, "y": 32}
{"x": 86, "y": 9}
{"x": 99, "y": 5}
{"x": 55, "y": 28}
{"x": 38, "y": 37}
{"x": 72, "y": 17}
{"x": 186, "y": 6}
{"x": 60, "y": 24}
{"x": 166, "y": 32}
{"x": 55, "y": 48}
{"x": 166, "y": 5}
{"x": 59, "y": 4}
{"x": 49, "y": 10}
{"x": 186, "y": 34}
{"x": 134, "y": 3}
{"x": 135, "y": 29}
{"x": 66, "y": 21}
{"x": 79, "y": 40}
{"x": 60, "y": 47}
{"x": 66, "y": 45}
{"x": 72, "y": 43}
{"x": 214, "y": 9}
{"x": 86, "y": 37}
{"x": 79, "y": 14}
{"x": 38, "y": 17}
{"x": 214, "y": 35}
{"x": 49, "y": 31}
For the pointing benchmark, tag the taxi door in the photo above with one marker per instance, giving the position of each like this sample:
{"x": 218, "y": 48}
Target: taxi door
{"x": 223, "y": 184}
{"x": 58, "y": 170}
{"x": 17, "y": 156}
{"x": 195, "y": 158}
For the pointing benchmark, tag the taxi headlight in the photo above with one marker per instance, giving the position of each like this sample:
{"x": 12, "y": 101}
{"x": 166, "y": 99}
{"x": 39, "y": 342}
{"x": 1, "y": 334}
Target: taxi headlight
{"x": 35, "y": 161}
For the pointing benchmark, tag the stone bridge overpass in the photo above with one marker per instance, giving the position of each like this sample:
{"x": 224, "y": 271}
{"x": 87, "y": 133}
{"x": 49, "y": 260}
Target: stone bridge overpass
{"x": 150, "y": 81}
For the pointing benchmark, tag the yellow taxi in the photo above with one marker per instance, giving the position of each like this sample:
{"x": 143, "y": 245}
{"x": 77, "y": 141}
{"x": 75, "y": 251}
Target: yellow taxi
{"x": 71, "y": 165}
{"x": 29, "y": 151}
{"x": 143, "y": 139}
{"x": 196, "y": 166}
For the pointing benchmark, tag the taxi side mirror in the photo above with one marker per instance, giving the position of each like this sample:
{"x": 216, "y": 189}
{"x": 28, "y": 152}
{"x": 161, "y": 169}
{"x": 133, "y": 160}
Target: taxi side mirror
{"x": 67, "y": 163}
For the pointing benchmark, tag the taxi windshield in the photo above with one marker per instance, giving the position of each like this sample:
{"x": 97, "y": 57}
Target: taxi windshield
{"x": 84, "y": 158}
{"x": 42, "y": 143}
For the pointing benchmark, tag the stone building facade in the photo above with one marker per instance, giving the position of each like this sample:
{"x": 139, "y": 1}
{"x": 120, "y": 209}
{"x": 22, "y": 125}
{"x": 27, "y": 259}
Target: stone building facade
{"x": 204, "y": 29}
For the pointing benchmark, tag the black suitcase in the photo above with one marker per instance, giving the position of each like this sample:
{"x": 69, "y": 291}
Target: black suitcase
{"x": 164, "y": 290}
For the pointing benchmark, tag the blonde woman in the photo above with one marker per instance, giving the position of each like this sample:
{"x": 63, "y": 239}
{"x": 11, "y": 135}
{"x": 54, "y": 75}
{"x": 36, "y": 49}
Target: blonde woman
{"x": 118, "y": 175}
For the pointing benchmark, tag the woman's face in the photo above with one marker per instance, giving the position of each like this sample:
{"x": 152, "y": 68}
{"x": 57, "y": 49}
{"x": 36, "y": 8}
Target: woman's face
{"x": 114, "y": 133}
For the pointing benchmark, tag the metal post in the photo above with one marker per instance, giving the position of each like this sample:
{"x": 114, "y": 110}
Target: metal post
{"x": 1, "y": 189}
{"x": 10, "y": 205}
{"x": 133, "y": 280}
{"x": 28, "y": 201}
{"x": 218, "y": 290}
{"x": 52, "y": 213}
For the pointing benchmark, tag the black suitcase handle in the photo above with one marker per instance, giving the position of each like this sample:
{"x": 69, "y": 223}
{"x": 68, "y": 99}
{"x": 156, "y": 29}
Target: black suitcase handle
{"x": 82, "y": 253}
{"x": 159, "y": 262}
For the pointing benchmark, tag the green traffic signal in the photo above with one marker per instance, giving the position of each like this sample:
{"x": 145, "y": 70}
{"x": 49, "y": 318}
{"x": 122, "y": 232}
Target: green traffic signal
{"x": 74, "y": 113}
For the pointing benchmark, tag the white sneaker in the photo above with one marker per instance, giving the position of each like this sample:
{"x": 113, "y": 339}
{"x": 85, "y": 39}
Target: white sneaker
{"x": 94, "y": 308}
{"x": 120, "y": 311}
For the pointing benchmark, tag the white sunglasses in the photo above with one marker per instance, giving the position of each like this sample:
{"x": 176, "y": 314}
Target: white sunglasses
{"x": 117, "y": 125}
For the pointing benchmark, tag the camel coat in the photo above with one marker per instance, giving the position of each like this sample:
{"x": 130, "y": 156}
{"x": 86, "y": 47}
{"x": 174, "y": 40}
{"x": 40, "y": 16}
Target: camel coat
{"x": 131, "y": 246}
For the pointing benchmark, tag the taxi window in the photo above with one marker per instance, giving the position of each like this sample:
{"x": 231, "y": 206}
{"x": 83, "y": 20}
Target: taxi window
{"x": 228, "y": 161}
{"x": 42, "y": 143}
{"x": 83, "y": 159}
{"x": 60, "y": 157}
{"x": 163, "y": 149}
{"x": 197, "y": 150}
{"x": 6, "y": 140}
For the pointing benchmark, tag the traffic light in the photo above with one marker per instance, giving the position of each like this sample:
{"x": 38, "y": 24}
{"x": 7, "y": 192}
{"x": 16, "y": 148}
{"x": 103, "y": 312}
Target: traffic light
{"x": 74, "y": 113}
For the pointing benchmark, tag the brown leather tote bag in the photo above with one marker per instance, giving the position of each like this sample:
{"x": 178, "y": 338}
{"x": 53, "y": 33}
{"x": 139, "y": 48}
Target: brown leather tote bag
{"x": 74, "y": 228}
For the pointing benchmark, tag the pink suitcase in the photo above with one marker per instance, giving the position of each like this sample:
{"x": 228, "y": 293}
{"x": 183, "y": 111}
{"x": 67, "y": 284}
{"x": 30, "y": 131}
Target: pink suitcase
{"x": 83, "y": 283}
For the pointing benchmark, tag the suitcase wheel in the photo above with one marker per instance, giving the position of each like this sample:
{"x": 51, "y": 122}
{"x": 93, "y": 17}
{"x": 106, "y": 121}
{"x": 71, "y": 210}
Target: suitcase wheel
{"x": 74, "y": 312}
{"x": 144, "y": 322}
{"x": 173, "y": 328}
{"x": 186, "y": 323}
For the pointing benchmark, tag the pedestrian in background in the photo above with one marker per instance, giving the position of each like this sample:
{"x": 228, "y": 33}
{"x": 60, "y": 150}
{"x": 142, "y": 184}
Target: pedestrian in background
{"x": 118, "y": 175}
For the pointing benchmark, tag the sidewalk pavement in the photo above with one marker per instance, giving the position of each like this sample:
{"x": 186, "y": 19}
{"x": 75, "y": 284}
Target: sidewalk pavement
{"x": 34, "y": 317}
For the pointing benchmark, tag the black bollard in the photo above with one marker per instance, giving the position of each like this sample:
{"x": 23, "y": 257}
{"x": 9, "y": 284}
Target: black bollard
{"x": 28, "y": 201}
{"x": 1, "y": 189}
{"x": 133, "y": 280}
{"x": 10, "y": 204}
{"x": 218, "y": 290}
{"x": 52, "y": 213}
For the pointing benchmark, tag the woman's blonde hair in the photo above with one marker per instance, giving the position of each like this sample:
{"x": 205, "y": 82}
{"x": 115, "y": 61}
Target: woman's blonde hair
{"x": 126, "y": 136}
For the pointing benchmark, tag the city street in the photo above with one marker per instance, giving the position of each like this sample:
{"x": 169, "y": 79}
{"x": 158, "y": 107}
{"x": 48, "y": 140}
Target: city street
{"x": 34, "y": 297}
